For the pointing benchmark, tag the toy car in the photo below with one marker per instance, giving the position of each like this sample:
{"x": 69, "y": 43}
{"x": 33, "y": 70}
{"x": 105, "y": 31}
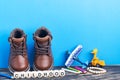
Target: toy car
{"x": 95, "y": 61}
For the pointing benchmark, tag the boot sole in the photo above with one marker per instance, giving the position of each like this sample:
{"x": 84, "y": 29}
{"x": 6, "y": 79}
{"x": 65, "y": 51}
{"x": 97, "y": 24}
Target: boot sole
{"x": 12, "y": 70}
{"x": 35, "y": 69}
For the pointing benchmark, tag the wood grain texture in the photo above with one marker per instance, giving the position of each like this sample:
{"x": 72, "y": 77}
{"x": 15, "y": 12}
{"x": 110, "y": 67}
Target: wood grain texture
{"x": 113, "y": 73}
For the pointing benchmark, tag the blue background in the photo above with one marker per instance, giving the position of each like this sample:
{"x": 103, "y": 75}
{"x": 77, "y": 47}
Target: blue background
{"x": 92, "y": 23}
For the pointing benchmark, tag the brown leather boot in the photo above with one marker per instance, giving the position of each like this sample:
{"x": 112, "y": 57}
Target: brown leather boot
{"x": 18, "y": 60}
{"x": 43, "y": 56}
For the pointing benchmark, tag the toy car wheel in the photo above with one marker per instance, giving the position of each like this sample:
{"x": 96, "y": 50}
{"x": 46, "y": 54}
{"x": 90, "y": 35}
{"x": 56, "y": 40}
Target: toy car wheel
{"x": 97, "y": 65}
{"x": 90, "y": 64}
{"x": 101, "y": 66}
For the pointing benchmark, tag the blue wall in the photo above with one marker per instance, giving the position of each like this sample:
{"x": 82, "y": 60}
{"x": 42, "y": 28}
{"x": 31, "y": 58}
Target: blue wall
{"x": 92, "y": 23}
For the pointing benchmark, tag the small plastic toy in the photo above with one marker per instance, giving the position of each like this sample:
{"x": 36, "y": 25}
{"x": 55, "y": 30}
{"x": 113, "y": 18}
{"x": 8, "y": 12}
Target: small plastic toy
{"x": 70, "y": 68}
{"x": 95, "y": 61}
{"x": 71, "y": 71}
{"x": 96, "y": 70}
{"x": 6, "y": 76}
{"x": 81, "y": 69}
{"x": 74, "y": 57}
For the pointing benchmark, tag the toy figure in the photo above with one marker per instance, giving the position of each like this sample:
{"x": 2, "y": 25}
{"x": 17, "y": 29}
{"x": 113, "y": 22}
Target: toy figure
{"x": 95, "y": 61}
{"x": 73, "y": 56}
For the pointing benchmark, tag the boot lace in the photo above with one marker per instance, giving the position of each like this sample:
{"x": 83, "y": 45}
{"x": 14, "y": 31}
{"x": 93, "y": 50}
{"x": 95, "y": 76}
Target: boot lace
{"x": 42, "y": 49}
{"x": 18, "y": 49}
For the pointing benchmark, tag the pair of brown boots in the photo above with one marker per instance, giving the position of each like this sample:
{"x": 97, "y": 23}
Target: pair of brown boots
{"x": 18, "y": 60}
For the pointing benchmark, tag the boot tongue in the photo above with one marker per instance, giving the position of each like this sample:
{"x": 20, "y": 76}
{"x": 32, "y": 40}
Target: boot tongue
{"x": 18, "y": 40}
{"x": 43, "y": 40}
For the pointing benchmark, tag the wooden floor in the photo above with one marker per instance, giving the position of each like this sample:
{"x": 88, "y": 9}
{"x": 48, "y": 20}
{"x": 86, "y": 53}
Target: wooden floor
{"x": 113, "y": 73}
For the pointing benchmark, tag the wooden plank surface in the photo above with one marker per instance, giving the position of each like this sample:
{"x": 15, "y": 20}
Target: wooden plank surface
{"x": 113, "y": 73}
